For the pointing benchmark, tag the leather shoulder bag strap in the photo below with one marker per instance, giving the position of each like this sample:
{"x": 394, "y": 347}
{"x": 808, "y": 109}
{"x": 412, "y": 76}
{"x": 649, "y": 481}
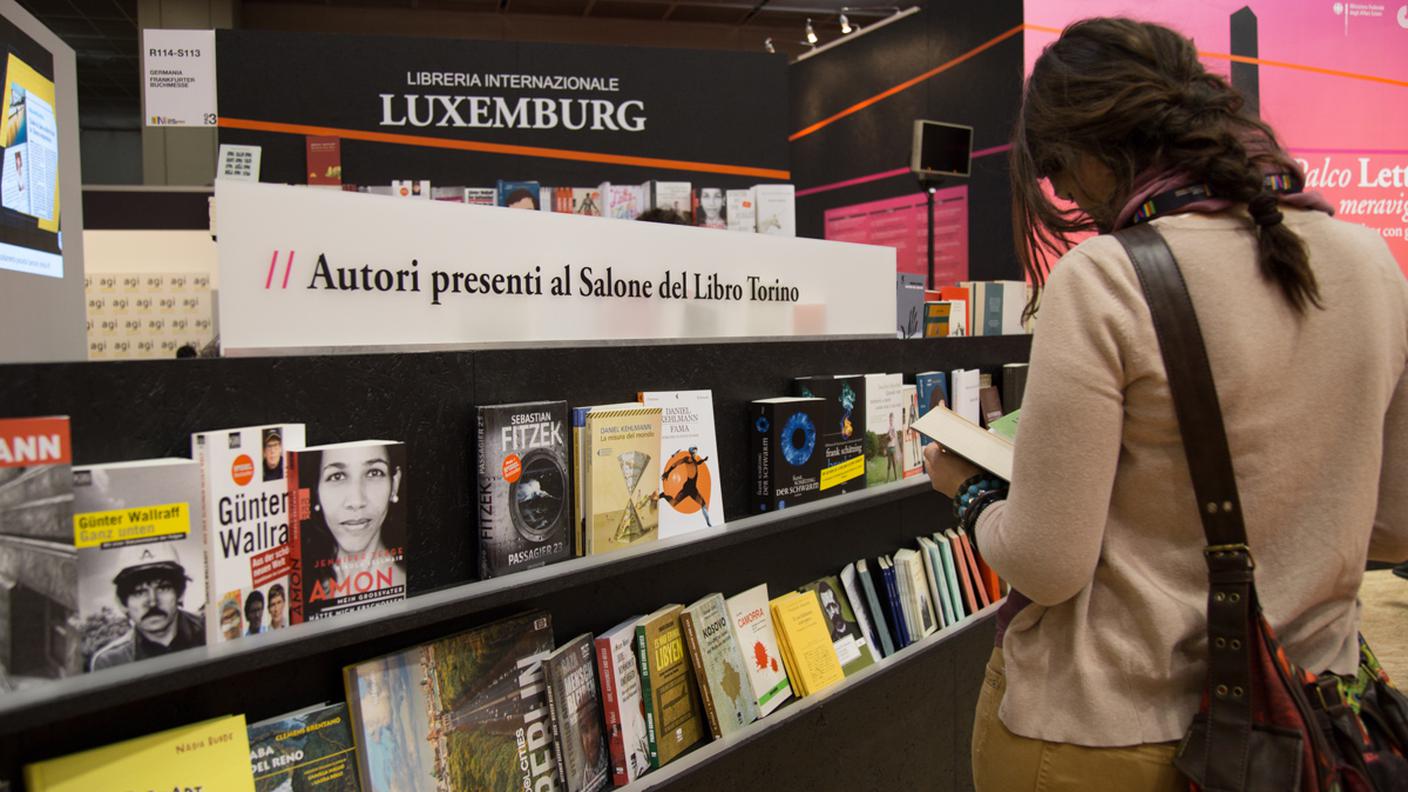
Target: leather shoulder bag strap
{"x": 1232, "y": 594}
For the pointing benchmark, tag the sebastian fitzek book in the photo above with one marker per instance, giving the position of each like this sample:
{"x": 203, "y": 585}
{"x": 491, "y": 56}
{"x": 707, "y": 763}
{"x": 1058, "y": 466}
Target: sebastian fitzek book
{"x": 622, "y": 706}
{"x": 348, "y": 527}
{"x": 36, "y": 534}
{"x": 464, "y": 712}
{"x": 786, "y": 445}
{"x": 691, "y": 481}
{"x": 246, "y": 527}
{"x": 719, "y": 666}
{"x": 310, "y": 750}
{"x": 576, "y": 716}
{"x": 141, "y": 559}
{"x": 842, "y": 429}
{"x": 750, "y": 618}
{"x": 672, "y": 720}
{"x": 852, "y": 648}
{"x": 524, "y": 491}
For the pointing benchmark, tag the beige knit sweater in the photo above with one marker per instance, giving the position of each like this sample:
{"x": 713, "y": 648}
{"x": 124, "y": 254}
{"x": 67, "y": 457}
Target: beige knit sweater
{"x": 1101, "y": 529}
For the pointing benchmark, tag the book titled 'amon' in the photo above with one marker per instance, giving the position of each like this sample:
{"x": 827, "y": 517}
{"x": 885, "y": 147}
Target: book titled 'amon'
{"x": 524, "y": 499}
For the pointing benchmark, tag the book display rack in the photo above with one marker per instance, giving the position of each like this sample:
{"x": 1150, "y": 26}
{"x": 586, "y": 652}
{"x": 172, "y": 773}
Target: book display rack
{"x": 906, "y": 720}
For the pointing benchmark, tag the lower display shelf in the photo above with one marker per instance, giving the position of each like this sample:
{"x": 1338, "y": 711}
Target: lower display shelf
{"x": 972, "y": 637}
{"x": 50, "y": 702}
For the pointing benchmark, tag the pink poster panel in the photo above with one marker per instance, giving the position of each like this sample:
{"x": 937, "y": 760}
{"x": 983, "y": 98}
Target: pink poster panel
{"x": 1332, "y": 80}
{"x": 899, "y": 223}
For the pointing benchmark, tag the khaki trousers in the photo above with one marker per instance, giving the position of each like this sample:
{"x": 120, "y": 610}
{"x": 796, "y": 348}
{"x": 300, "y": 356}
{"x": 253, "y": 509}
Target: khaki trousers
{"x": 1004, "y": 762}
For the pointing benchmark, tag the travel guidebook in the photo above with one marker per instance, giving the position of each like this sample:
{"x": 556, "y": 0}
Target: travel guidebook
{"x": 691, "y": 487}
{"x": 246, "y": 527}
{"x": 310, "y": 750}
{"x": 348, "y": 529}
{"x": 141, "y": 559}
{"x": 467, "y": 712}
{"x": 524, "y": 491}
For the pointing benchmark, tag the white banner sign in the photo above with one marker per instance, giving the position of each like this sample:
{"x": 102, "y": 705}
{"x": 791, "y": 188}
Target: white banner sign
{"x": 179, "y": 83}
{"x": 303, "y": 268}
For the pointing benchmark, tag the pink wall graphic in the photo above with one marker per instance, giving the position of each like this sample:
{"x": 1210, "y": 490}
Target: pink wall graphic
{"x": 1333, "y": 82}
{"x": 899, "y": 223}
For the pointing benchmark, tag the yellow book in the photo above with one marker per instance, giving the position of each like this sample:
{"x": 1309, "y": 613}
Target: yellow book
{"x": 799, "y": 617}
{"x": 789, "y": 663}
{"x": 212, "y": 756}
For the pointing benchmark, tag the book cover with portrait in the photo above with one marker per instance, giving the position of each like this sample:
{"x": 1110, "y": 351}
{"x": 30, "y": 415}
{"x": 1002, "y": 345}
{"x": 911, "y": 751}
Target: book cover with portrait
{"x": 348, "y": 532}
{"x": 787, "y": 451}
{"x": 524, "y": 497}
{"x": 246, "y": 527}
{"x": 138, "y": 529}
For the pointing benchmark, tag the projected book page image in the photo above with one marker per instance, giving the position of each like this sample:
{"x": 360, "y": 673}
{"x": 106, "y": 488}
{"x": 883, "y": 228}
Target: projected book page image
{"x": 29, "y": 160}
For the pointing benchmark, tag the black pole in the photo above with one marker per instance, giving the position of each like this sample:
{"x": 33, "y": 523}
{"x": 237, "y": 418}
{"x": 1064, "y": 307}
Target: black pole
{"x": 929, "y": 188}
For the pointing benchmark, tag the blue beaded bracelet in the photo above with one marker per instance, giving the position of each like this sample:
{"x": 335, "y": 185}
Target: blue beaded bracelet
{"x": 969, "y": 491}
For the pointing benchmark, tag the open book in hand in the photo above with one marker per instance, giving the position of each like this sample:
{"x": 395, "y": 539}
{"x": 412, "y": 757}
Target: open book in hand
{"x": 970, "y": 441}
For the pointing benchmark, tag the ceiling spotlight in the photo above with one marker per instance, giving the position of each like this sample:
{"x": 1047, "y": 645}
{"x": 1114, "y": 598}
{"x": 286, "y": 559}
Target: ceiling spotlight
{"x": 845, "y": 23}
{"x": 767, "y": 44}
{"x": 811, "y": 34}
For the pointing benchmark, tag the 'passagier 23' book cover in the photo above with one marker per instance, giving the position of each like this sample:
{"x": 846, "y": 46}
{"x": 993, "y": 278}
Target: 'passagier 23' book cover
{"x": 524, "y": 496}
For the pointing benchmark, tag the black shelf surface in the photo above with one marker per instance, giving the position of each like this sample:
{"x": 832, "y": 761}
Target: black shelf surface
{"x": 86, "y": 694}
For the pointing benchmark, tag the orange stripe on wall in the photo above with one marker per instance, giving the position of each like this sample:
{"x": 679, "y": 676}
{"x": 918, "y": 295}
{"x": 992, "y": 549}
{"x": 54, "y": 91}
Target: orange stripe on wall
{"x": 504, "y": 148}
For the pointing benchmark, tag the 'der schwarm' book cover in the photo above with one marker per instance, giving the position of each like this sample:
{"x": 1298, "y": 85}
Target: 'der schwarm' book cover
{"x": 310, "y": 750}
{"x": 524, "y": 491}
{"x": 348, "y": 527}
{"x": 842, "y": 429}
{"x": 246, "y": 527}
{"x": 467, "y": 712}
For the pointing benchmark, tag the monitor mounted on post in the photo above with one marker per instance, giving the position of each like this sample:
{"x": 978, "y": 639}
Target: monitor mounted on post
{"x": 941, "y": 150}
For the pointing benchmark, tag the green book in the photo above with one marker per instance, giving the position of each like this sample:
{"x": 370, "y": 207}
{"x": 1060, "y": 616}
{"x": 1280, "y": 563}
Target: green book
{"x": 672, "y": 719}
{"x": 955, "y": 596}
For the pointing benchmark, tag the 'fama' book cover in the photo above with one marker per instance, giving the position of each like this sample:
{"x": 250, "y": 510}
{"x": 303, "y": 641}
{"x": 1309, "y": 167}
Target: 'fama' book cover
{"x": 246, "y": 527}
{"x": 310, "y": 750}
{"x": 842, "y": 429}
{"x": 141, "y": 559}
{"x": 524, "y": 492}
{"x": 691, "y": 491}
{"x": 576, "y": 716}
{"x": 348, "y": 516}
{"x": 786, "y": 449}
{"x": 467, "y": 712}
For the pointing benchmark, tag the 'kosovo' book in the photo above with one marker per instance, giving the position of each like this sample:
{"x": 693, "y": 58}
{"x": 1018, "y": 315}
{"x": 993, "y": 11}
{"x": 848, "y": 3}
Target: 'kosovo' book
{"x": 667, "y": 684}
{"x": 137, "y": 527}
{"x": 347, "y": 517}
{"x": 576, "y": 716}
{"x": 464, "y": 712}
{"x": 842, "y": 429}
{"x": 246, "y": 527}
{"x": 304, "y": 751}
{"x": 524, "y": 492}
{"x": 719, "y": 666}
{"x": 750, "y": 618}
{"x": 787, "y": 457}
{"x": 691, "y": 481}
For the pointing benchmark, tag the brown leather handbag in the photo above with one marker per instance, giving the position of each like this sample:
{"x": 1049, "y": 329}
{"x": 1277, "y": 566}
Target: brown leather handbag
{"x": 1265, "y": 724}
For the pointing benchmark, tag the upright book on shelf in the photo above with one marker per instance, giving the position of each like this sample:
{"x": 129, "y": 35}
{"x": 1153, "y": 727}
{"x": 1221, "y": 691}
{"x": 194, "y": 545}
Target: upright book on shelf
{"x": 246, "y": 526}
{"x": 909, "y": 438}
{"x": 576, "y": 716}
{"x": 348, "y": 528}
{"x": 691, "y": 481}
{"x": 750, "y": 618}
{"x": 884, "y": 426}
{"x": 210, "y": 755}
{"x": 324, "y": 159}
{"x": 672, "y": 720}
{"x": 786, "y": 450}
{"x": 842, "y": 429}
{"x": 719, "y": 666}
{"x": 852, "y": 648}
{"x": 803, "y": 636}
{"x": 524, "y": 491}
{"x": 915, "y": 587}
{"x": 675, "y": 196}
{"x": 777, "y": 209}
{"x": 742, "y": 212}
{"x": 519, "y": 194}
{"x": 464, "y": 712}
{"x": 879, "y": 623}
{"x": 621, "y": 477}
{"x": 623, "y": 707}
{"x": 36, "y": 552}
{"x": 138, "y": 529}
{"x": 303, "y": 751}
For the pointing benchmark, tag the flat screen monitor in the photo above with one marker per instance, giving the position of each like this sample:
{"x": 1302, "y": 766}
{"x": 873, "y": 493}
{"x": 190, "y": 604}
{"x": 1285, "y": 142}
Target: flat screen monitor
{"x": 29, "y": 157}
{"x": 941, "y": 149}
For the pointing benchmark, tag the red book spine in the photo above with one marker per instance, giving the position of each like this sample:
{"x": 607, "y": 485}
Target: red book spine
{"x": 611, "y": 710}
{"x": 297, "y": 513}
{"x": 965, "y": 578}
{"x": 978, "y": 582}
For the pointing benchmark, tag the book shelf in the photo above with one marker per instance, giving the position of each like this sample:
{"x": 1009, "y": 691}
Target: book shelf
{"x": 906, "y": 720}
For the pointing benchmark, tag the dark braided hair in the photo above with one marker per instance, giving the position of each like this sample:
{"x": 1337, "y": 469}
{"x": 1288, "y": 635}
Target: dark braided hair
{"x": 1134, "y": 97}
